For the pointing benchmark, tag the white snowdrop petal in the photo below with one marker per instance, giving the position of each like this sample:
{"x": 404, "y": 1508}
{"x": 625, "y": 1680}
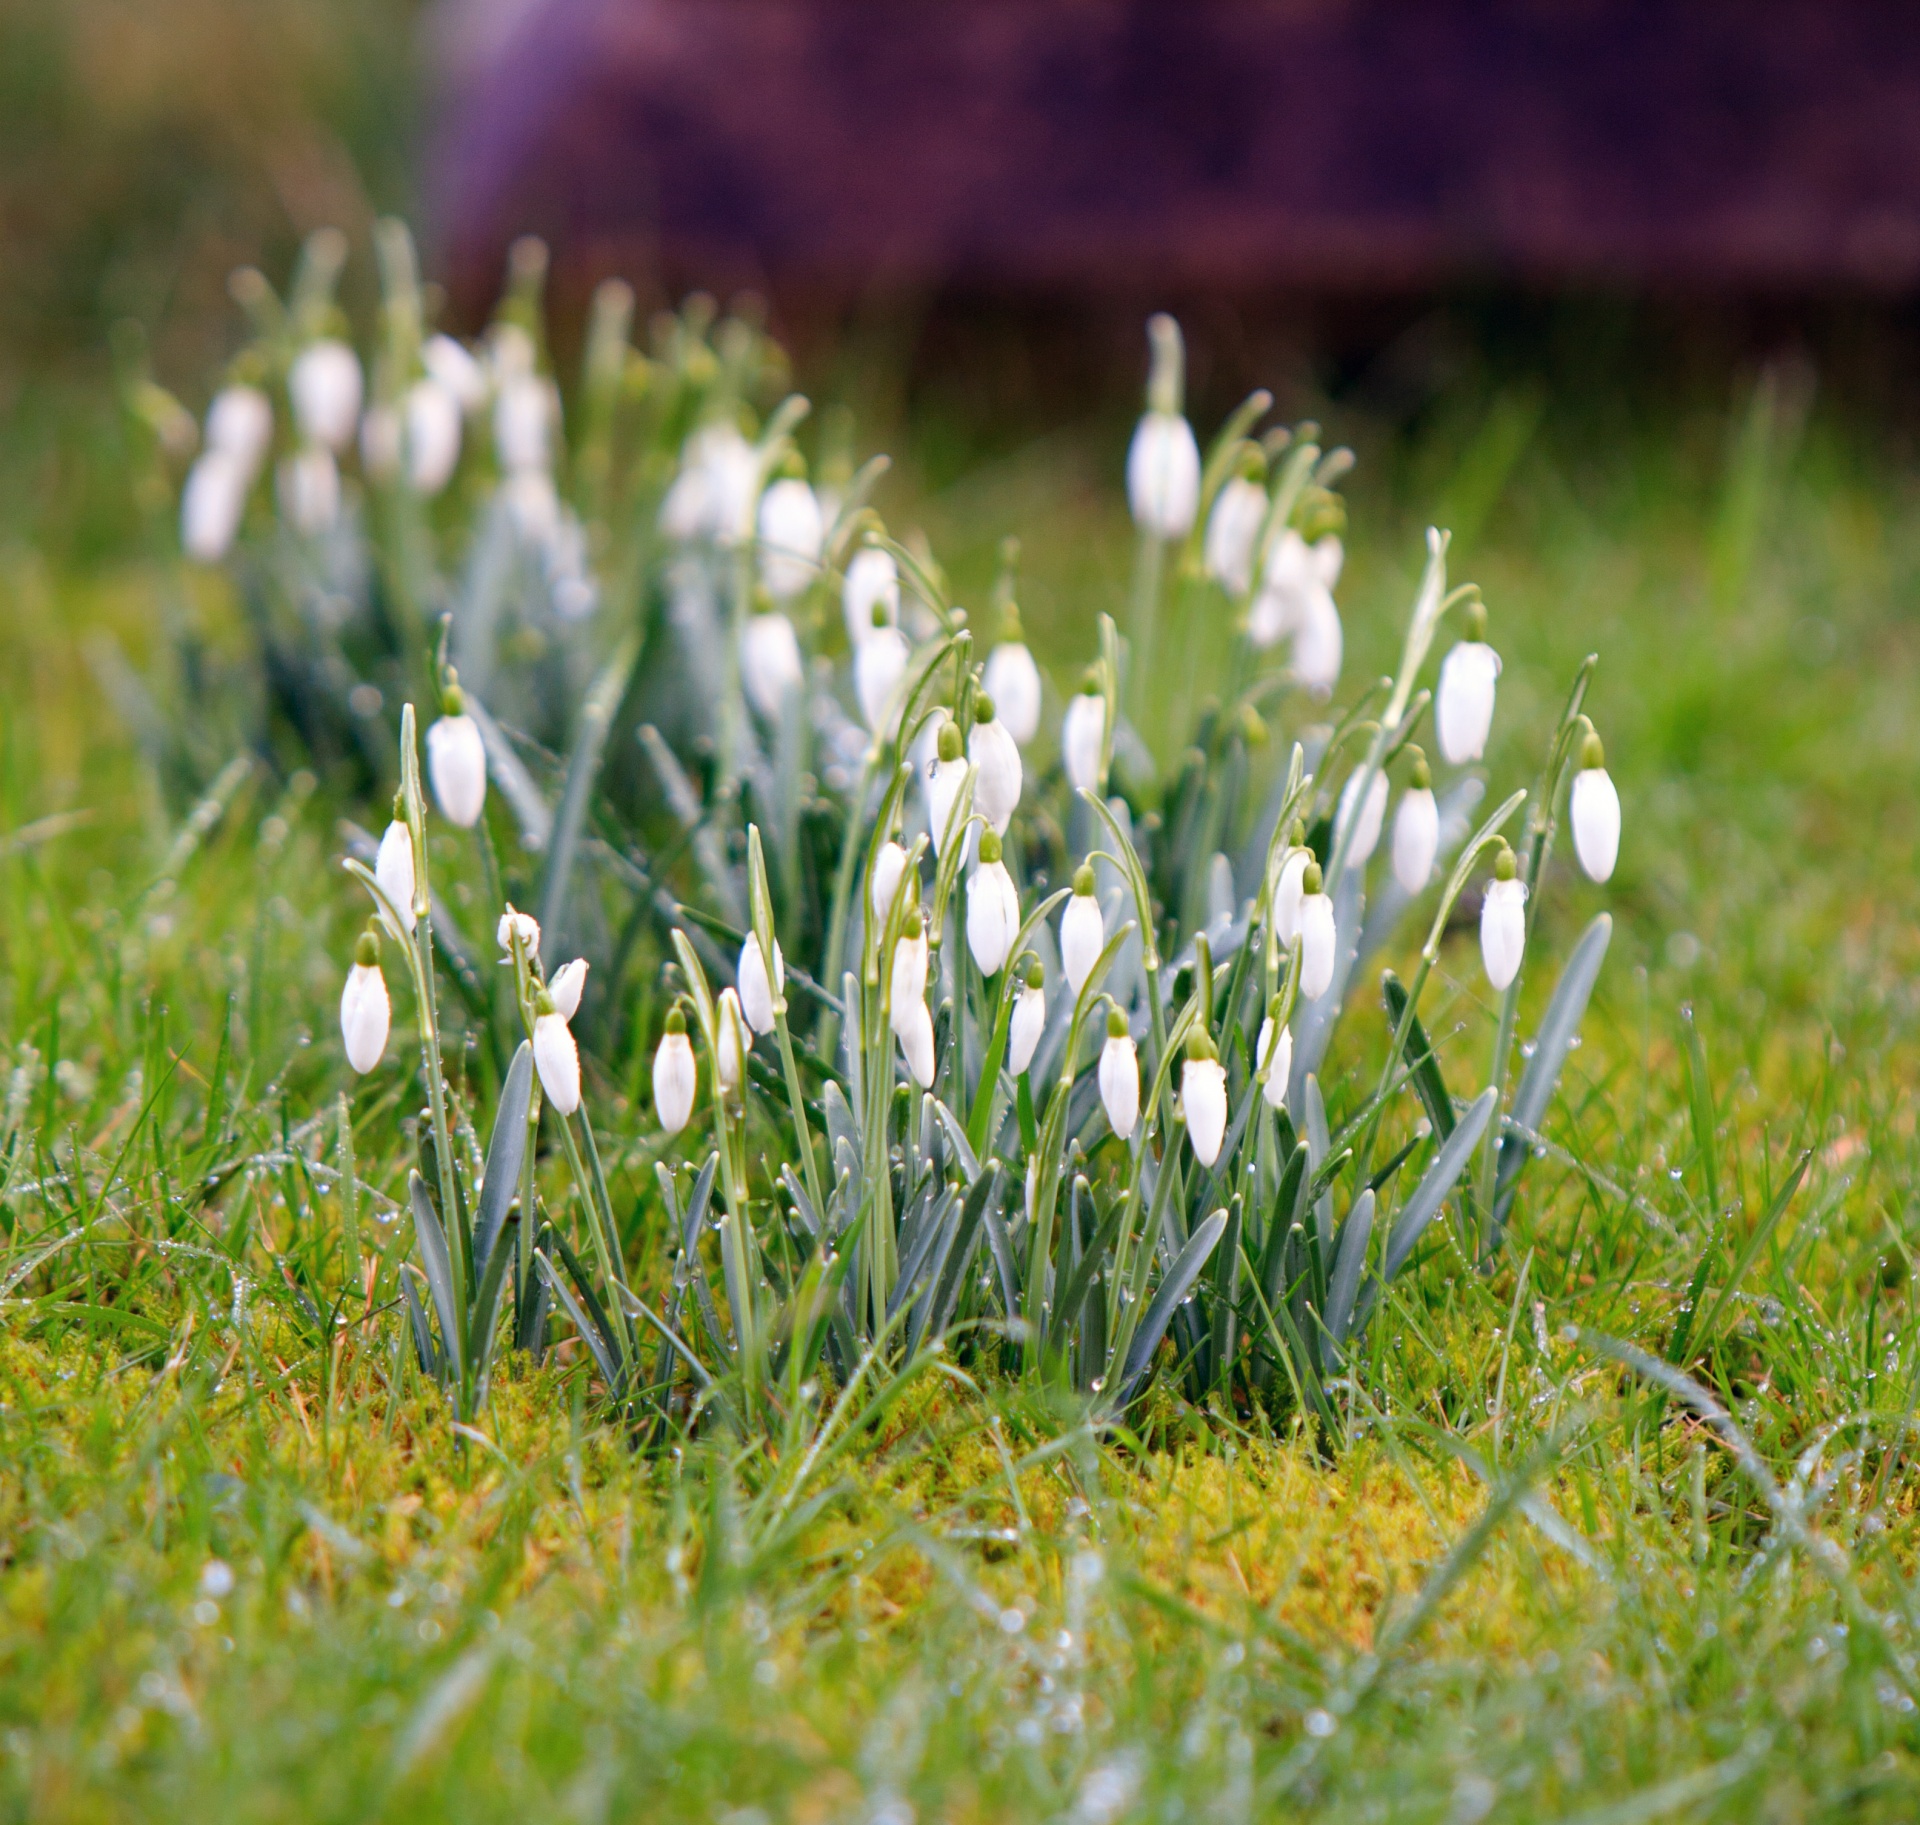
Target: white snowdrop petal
{"x": 1319, "y": 642}
{"x": 1503, "y": 930}
{"x": 888, "y": 868}
{"x": 1239, "y": 511}
{"x": 873, "y": 579}
{"x": 944, "y": 780}
{"x": 791, "y": 534}
{"x": 457, "y": 769}
{"x": 731, "y": 1040}
{"x": 993, "y": 916}
{"x": 365, "y": 1015}
{"x": 1203, "y": 1095}
{"x": 1463, "y": 703}
{"x": 1120, "y": 1085}
{"x": 1594, "y": 811}
{"x": 393, "y": 869}
{"x": 432, "y": 436}
{"x": 1276, "y": 1054}
{"x": 524, "y": 415}
{"x": 908, "y": 985}
{"x": 1082, "y": 937}
{"x": 1083, "y": 732}
{"x": 381, "y": 441}
{"x": 1317, "y": 944}
{"x": 916, "y": 1042}
{"x": 324, "y": 385}
{"x": 557, "y": 1059}
{"x": 240, "y": 425}
{"x": 455, "y": 369}
{"x": 770, "y": 664}
{"x": 1416, "y": 838}
{"x": 757, "y": 993}
{"x": 879, "y": 668}
{"x": 308, "y": 484}
{"x": 1028, "y": 1023}
{"x": 568, "y": 984}
{"x": 523, "y": 925}
{"x": 1365, "y": 816}
{"x": 1163, "y": 475}
{"x": 674, "y": 1081}
{"x": 1012, "y": 680}
{"x": 996, "y": 785}
{"x": 211, "y": 505}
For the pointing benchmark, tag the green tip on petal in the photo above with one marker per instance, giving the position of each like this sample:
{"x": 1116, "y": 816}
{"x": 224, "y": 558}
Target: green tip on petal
{"x": 453, "y": 701}
{"x": 1083, "y": 878}
{"x": 879, "y": 614}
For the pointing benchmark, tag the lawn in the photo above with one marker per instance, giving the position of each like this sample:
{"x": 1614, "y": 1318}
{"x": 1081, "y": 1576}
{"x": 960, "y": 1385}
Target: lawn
{"x": 1619, "y": 1527}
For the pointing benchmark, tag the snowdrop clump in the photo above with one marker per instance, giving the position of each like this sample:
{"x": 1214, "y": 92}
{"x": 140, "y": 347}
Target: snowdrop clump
{"x": 953, "y": 1016}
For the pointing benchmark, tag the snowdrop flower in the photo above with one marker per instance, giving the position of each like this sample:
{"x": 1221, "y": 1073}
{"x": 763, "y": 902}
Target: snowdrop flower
{"x": 449, "y": 364}
{"x": 1082, "y": 933}
{"x": 381, "y": 438}
{"x": 730, "y": 1052}
{"x": 1503, "y": 921}
{"x": 432, "y": 436}
{"x": 555, "y": 1056}
{"x": 770, "y": 664}
{"x": 1120, "y": 1076}
{"x": 211, "y": 505}
{"x": 996, "y": 759}
{"x": 1029, "y": 1019}
{"x": 915, "y": 1029}
{"x": 568, "y": 984}
{"x": 713, "y": 495}
{"x": 393, "y": 870}
{"x": 1416, "y": 830}
{"x": 945, "y": 776}
{"x": 674, "y": 1075}
{"x": 879, "y": 666}
{"x": 1203, "y": 1096}
{"x": 1082, "y": 735}
{"x": 457, "y": 763}
{"x": 1594, "y": 811}
{"x": 1317, "y": 940}
{"x": 791, "y": 534}
{"x": 240, "y": 425}
{"x": 533, "y": 504}
{"x": 1012, "y": 680}
{"x": 1319, "y": 644}
{"x": 1163, "y": 463}
{"x": 993, "y": 909}
{"x": 907, "y": 981}
{"x": 888, "y": 867}
{"x": 523, "y": 418}
{"x": 1287, "y": 887}
{"x": 1273, "y": 1054}
{"x": 308, "y": 484}
{"x": 365, "y": 1013}
{"x": 1291, "y": 583}
{"x": 757, "y": 994}
{"x": 1362, "y": 818}
{"x": 872, "y": 582}
{"x": 1239, "y": 511}
{"x": 1463, "y": 705}
{"x": 324, "y": 384}
{"x": 518, "y": 925}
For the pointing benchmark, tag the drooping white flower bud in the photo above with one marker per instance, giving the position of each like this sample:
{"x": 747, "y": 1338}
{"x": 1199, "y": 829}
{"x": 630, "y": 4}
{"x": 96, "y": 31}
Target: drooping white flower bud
{"x": 432, "y": 436}
{"x": 1163, "y": 475}
{"x": 873, "y": 581}
{"x": 879, "y": 668}
{"x": 714, "y": 494}
{"x": 457, "y": 764}
{"x": 770, "y": 663}
{"x": 308, "y": 484}
{"x": 523, "y": 419}
{"x": 1361, "y": 818}
{"x": 1273, "y": 1053}
{"x": 888, "y": 867}
{"x": 1203, "y": 1096}
{"x": 1593, "y": 808}
{"x": 1463, "y": 704}
{"x": 675, "y": 1075}
{"x": 393, "y": 870}
{"x": 1239, "y": 511}
{"x": 730, "y": 1040}
{"x": 993, "y": 909}
{"x": 1120, "y": 1076}
{"x": 449, "y": 363}
{"x": 1012, "y": 680}
{"x": 1416, "y": 830}
{"x": 996, "y": 756}
{"x": 1290, "y": 583}
{"x": 1319, "y": 644}
{"x": 946, "y": 774}
{"x": 907, "y": 980}
{"x": 240, "y": 425}
{"x": 1286, "y": 888}
{"x": 1317, "y": 937}
{"x": 365, "y": 1012}
{"x": 523, "y": 926}
{"x": 757, "y": 994}
{"x": 568, "y": 984}
{"x": 557, "y": 1059}
{"x": 915, "y": 1029}
{"x": 1028, "y": 1021}
{"x": 211, "y": 505}
{"x": 1082, "y": 932}
{"x": 1503, "y": 921}
{"x": 791, "y": 534}
{"x": 1083, "y": 733}
{"x": 324, "y": 384}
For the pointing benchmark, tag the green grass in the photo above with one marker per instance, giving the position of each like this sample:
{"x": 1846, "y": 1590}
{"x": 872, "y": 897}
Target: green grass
{"x": 1535, "y": 1585}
